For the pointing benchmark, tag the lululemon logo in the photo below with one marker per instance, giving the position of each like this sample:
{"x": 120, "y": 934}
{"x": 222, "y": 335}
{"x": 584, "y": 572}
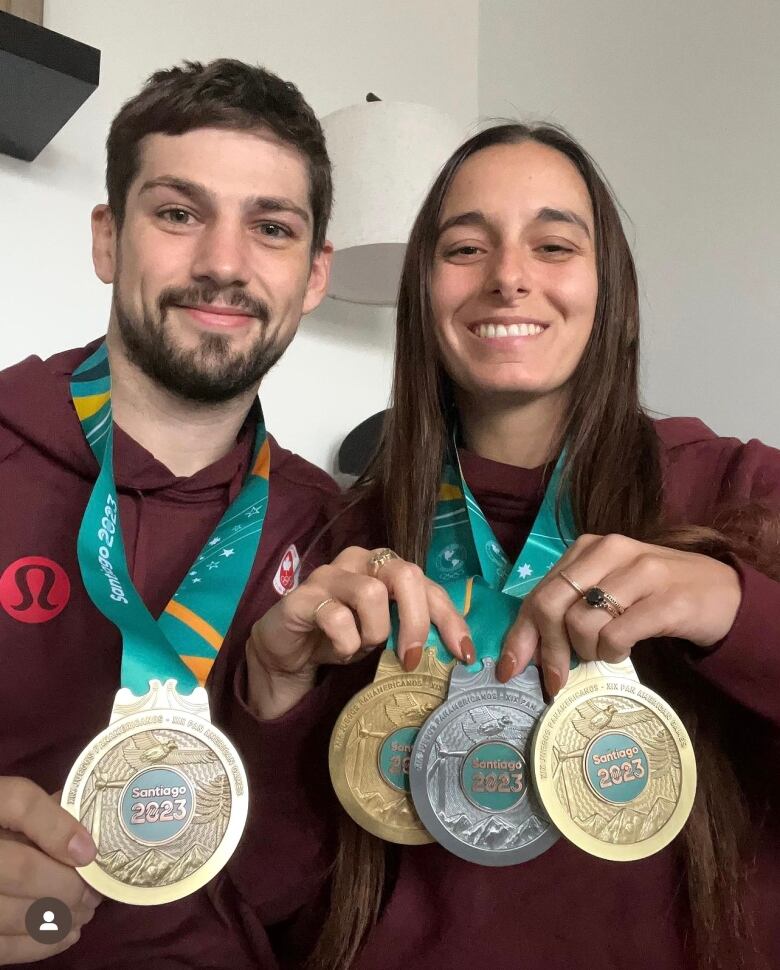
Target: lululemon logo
{"x": 34, "y": 589}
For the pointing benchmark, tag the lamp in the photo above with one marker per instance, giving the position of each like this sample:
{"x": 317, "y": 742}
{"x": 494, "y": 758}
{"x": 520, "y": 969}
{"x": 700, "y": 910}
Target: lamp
{"x": 385, "y": 156}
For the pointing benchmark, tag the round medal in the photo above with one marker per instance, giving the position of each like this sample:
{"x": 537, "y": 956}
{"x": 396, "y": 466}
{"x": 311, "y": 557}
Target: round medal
{"x": 163, "y": 793}
{"x": 470, "y": 773}
{"x": 614, "y": 765}
{"x": 371, "y": 746}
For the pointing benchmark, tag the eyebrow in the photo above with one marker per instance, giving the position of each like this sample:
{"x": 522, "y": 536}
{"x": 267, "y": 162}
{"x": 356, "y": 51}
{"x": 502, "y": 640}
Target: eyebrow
{"x": 546, "y": 214}
{"x": 562, "y": 215}
{"x": 199, "y": 193}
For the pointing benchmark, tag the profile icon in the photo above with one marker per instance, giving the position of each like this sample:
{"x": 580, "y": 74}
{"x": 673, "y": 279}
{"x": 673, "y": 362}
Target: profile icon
{"x": 48, "y": 920}
{"x": 48, "y": 925}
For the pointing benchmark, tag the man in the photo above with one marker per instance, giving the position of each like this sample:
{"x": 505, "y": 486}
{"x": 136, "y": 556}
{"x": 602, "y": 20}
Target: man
{"x": 213, "y": 238}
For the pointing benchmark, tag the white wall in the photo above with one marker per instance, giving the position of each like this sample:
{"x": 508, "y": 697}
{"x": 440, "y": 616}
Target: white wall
{"x": 679, "y": 103}
{"x": 337, "y": 370}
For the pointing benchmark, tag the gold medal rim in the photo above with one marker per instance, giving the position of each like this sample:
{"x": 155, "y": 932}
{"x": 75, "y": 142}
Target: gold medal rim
{"x": 606, "y": 687}
{"x": 106, "y": 884}
{"x": 337, "y": 758}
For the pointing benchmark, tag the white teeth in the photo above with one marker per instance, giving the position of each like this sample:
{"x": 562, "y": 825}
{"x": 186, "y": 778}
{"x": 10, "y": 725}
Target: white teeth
{"x": 513, "y": 330}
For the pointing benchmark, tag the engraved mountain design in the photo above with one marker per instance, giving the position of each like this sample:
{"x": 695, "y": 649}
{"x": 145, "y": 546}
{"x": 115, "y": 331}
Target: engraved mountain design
{"x": 154, "y": 868}
{"x": 196, "y": 857}
{"x": 113, "y": 861}
{"x": 628, "y": 826}
{"x": 145, "y": 870}
{"x": 658, "y": 815}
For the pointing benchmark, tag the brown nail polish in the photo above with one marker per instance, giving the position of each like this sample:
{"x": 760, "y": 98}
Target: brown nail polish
{"x": 468, "y": 651}
{"x": 552, "y": 681}
{"x": 506, "y": 667}
{"x": 412, "y": 657}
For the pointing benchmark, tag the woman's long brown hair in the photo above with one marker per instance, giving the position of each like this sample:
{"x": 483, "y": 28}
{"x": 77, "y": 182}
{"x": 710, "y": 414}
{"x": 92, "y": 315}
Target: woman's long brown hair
{"x": 613, "y": 475}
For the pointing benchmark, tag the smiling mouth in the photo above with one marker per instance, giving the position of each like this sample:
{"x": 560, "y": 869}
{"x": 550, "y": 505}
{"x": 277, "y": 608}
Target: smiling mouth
{"x": 498, "y": 330}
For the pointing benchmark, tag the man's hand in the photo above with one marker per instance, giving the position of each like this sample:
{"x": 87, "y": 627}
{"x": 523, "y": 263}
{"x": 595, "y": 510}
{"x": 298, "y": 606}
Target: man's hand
{"x": 40, "y": 846}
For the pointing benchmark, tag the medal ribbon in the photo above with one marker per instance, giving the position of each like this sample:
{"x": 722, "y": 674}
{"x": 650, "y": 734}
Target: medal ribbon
{"x": 200, "y": 613}
{"x": 463, "y": 545}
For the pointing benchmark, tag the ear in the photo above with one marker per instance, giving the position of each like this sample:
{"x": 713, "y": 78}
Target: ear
{"x": 104, "y": 243}
{"x": 319, "y": 275}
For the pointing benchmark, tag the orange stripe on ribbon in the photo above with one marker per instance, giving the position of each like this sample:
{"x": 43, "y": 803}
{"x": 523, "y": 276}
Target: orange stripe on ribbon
{"x": 449, "y": 492}
{"x": 200, "y": 666}
{"x": 194, "y": 622}
{"x": 263, "y": 463}
{"x": 467, "y": 600}
{"x": 90, "y": 404}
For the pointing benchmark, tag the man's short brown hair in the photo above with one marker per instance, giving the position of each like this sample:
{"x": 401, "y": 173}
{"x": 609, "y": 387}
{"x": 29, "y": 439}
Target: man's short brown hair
{"x": 222, "y": 94}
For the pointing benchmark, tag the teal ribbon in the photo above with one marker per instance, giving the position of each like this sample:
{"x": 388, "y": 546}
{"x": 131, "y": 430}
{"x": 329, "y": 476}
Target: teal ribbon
{"x": 198, "y": 617}
{"x": 463, "y": 545}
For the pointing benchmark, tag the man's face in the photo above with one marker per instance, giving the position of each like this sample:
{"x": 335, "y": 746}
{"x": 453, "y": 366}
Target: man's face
{"x": 212, "y": 268}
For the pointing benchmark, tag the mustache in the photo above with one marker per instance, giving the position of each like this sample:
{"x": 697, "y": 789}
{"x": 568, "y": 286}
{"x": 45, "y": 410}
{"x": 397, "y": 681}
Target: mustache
{"x": 205, "y": 294}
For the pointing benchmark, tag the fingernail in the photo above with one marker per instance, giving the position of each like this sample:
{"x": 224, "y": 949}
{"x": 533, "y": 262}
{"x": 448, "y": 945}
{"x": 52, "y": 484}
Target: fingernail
{"x": 552, "y": 680}
{"x": 412, "y": 657}
{"x": 467, "y": 650}
{"x": 81, "y": 849}
{"x": 506, "y": 667}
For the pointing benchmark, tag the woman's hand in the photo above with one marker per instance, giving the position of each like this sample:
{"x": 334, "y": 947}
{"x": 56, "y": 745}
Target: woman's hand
{"x": 341, "y": 613}
{"x": 663, "y": 592}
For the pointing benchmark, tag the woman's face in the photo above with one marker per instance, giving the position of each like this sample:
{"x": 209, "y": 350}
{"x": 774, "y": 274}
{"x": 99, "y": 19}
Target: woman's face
{"x": 514, "y": 282}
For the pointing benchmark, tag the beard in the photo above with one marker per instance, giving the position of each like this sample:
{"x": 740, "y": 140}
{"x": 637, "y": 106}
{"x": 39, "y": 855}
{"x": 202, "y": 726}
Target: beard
{"x": 210, "y": 373}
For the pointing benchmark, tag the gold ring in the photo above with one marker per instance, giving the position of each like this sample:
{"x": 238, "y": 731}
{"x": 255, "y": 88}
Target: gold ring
{"x": 378, "y": 559}
{"x": 600, "y": 599}
{"x": 574, "y": 585}
{"x": 323, "y": 604}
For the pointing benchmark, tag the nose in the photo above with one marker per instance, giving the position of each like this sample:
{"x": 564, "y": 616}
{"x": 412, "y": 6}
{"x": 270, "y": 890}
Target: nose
{"x": 222, "y": 254}
{"x": 509, "y": 276}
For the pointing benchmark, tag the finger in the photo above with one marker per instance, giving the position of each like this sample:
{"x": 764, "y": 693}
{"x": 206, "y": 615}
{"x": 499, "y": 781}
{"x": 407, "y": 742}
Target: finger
{"x": 23, "y": 949}
{"x": 406, "y": 584}
{"x": 519, "y": 647}
{"x": 450, "y": 622}
{"x": 340, "y": 630}
{"x": 26, "y": 808}
{"x": 28, "y": 873}
{"x": 653, "y": 616}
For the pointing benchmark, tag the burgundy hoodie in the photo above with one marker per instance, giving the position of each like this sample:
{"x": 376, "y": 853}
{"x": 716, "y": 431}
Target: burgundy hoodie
{"x": 564, "y": 910}
{"x": 60, "y": 657}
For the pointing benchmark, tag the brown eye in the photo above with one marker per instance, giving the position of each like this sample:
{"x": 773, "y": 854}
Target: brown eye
{"x": 179, "y": 217}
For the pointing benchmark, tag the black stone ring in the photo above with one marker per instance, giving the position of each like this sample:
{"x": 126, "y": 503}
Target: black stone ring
{"x": 601, "y": 599}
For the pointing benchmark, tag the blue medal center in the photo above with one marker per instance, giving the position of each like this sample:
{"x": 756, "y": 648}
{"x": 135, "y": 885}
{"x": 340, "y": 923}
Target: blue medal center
{"x": 156, "y": 805}
{"x": 616, "y": 767}
{"x": 394, "y": 757}
{"x": 493, "y": 776}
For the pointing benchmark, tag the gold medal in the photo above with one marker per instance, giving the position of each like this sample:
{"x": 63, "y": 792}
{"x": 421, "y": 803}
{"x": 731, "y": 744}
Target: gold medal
{"x": 371, "y": 746}
{"x": 163, "y": 793}
{"x": 613, "y": 764}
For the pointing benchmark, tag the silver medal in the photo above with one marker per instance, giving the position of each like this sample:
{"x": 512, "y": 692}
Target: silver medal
{"x": 470, "y": 771}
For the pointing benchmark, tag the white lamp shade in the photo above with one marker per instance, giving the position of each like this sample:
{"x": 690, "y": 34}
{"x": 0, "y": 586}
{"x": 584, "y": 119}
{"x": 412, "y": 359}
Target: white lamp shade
{"x": 385, "y": 156}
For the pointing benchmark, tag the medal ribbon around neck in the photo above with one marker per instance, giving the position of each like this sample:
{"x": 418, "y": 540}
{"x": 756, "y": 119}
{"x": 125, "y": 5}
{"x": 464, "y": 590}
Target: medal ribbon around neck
{"x": 200, "y": 613}
{"x": 464, "y": 545}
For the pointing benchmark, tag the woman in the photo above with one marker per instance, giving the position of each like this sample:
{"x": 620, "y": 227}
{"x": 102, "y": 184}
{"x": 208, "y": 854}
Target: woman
{"x": 518, "y": 331}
